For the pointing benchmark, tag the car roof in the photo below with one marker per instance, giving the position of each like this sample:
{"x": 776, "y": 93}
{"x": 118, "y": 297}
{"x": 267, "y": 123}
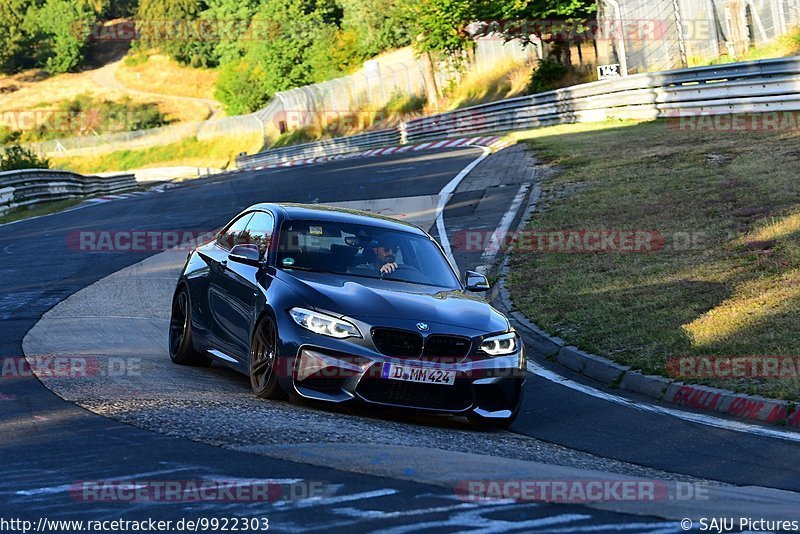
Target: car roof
{"x": 316, "y": 212}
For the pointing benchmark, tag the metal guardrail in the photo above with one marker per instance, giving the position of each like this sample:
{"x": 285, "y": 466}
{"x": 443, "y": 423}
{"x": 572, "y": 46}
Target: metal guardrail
{"x": 758, "y": 86}
{"x": 32, "y": 186}
{"x": 336, "y": 145}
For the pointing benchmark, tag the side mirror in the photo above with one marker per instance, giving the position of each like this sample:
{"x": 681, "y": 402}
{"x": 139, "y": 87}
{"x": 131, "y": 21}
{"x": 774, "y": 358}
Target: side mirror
{"x": 247, "y": 254}
{"x": 476, "y": 282}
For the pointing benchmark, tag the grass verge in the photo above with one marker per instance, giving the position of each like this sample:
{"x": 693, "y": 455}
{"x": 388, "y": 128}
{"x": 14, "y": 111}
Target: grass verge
{"x": 726, "y": 282}
{"x": 42, "y": 209}
{"x": 218, "y": 153}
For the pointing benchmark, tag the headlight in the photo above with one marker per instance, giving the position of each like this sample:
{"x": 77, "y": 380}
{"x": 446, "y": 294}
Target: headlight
{"x": 323, "y": 324}
{"x": 500, "y": 345}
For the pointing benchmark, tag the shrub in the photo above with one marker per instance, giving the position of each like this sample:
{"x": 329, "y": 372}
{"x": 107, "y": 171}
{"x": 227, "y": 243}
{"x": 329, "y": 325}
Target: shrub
{"x": 547, "y": 76}
{"x": 15, "y": 157}
{"x": 8, "y": 136}
{"x": 403, "y": 103}
{"x": 239, "y": 88}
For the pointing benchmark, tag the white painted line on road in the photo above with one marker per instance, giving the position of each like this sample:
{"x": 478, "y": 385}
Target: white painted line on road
{"x": 499, "y": 235}
{"x": 474, "y": 521}
{"x": 444, "y": 197}
{"x": 325, "y": 501}
{"x": 238, "y": 481}
{"x": 701, "y": 419}
{"x": 380, "y": 514}
{"x": 49, "y": 490}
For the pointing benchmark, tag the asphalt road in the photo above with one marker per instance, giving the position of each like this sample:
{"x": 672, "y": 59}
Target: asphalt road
{"x": 48, "y": 443}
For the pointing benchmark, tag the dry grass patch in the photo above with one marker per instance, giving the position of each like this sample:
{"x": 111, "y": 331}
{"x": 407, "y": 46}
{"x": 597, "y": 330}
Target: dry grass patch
{"x": 218, "y": 153}
{"x": 503, "y": 80}
{"x": 157, "y": 73}
{"x": 726, "y": 283}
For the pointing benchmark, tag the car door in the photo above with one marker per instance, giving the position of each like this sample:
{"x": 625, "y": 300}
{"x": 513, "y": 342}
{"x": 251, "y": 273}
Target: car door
{"x": 239, "y": 283}
{"x": 216, "y": 256}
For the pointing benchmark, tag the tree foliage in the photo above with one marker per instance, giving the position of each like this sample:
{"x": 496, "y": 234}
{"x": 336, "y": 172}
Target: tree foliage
{"x": 13, "y": 40}
{"x": 443, "y": 24}
{"x": 239, "y": 88}
{"x": 172, "y": 27}
{"x": 15, "y": 157}
{"x": 263, "y": 46}
{"x": 59, "y": 33}
{"x": 377, "y": 25}
{"x": 50, "y": 34}
{"x": 290, "y": 43}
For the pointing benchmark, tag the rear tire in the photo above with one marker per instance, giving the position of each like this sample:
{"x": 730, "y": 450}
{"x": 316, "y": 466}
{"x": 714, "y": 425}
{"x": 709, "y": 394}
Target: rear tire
{"x": 181, "y": 344}
{"x": 263, "y": 361}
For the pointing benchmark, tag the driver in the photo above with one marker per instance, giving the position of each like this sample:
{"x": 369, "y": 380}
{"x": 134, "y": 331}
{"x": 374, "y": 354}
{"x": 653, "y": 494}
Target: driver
{"x": 385, "y": 253}
{"x": 382, "y": 254}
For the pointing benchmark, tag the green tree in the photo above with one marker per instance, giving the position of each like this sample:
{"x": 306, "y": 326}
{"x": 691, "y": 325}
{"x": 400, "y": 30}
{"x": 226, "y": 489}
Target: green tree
{"x": 15, "y": 157}
{"x": 288, "y": 43}
{"x": 15, "y": 43}
{"x": 284, "y": 32}
{"x": 59, "y": 32}
{"x": 172, "y": 26}
{"x": 229, "y": 20}
{"x": 240, "y": 88}
{"x": 378, "y": 25}
{"x": 442, "y": 24}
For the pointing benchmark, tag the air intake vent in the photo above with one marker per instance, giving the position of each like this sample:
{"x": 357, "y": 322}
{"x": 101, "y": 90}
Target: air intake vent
{"x": 446, "y": 346}
{"x": 433, "y": 397}
{"x": 397, "y": 343}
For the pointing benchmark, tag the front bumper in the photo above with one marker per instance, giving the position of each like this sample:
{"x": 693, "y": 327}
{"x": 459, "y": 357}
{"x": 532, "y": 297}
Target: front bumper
{"x": 487, "y": 387}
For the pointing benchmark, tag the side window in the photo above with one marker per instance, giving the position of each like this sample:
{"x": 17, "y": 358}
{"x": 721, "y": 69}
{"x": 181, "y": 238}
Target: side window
{"x": 260, "y": 229}
{"x": 235, "y": 234}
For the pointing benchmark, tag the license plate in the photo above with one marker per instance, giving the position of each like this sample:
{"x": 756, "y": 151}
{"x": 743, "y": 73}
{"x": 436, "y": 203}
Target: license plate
{"x": 414, "y": 373}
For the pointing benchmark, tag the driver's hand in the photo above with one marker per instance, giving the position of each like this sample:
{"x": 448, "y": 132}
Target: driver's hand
{"x": 388, "y": 268}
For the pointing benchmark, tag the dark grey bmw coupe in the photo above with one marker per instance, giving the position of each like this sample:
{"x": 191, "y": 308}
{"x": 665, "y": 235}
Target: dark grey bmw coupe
{"x": 343, "y": 306}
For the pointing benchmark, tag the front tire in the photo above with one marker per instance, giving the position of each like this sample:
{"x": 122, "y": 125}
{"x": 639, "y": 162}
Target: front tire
{"x": 263, "y": 361}
{"x": 181, "y": 345}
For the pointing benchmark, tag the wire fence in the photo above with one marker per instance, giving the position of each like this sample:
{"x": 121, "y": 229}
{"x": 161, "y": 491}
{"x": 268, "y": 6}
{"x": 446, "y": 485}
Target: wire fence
{"x": 654, "y": 35}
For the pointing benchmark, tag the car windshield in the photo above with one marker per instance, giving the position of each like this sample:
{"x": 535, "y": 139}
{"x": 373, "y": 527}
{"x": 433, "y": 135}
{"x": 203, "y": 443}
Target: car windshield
{"x": 363, "y": 251}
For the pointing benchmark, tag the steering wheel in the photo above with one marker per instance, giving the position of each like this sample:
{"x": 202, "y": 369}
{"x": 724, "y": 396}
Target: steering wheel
{"x": 405, "y": 266}
{"x": 400, "y": 268}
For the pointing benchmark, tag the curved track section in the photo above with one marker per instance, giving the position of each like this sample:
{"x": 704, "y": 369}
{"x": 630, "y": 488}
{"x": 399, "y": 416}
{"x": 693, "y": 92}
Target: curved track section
{"x": 381, "y": 473}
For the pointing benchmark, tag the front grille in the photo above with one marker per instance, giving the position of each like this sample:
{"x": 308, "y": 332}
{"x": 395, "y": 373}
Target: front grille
{"x": 446, "y": 346}
{"x": 397, "y": 343}
{"x": 428, "y": 396}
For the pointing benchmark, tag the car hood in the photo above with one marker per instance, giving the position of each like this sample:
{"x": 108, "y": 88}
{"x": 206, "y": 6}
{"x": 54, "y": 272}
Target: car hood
{"x": 366, "y": 299}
